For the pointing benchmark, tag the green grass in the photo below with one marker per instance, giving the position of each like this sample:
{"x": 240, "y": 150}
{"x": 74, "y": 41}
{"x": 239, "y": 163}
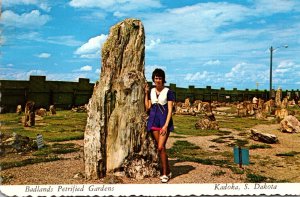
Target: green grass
{"x": 56, "y": 149}
{"x": 218, "y": 173}
{"x": 241, "y": 124}
{"x": 7, "y": 165}
{"x": 254, "y": 178}
{"x": 288, "y": 154}
{"x": 236, "y": 170}
{"x": 259, "y": 146}
{"x": 185, "y": 125}
{"x": 186, "y": 151}
{"x": 65, "y": 125}
{"x": 178, "y": 137}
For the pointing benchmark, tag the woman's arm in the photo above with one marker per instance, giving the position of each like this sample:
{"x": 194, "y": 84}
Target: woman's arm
{"x": 164, "y": 129}
{"x": 147, "y": 99}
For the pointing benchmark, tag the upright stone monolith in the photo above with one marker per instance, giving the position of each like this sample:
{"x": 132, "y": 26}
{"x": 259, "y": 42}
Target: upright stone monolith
{"x": 278, "y": 97}
{"x": 115, "y": 136}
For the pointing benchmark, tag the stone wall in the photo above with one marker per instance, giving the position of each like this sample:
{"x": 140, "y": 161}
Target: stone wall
{"x": 44, "y": 93}
{"x": 66, "y": 94}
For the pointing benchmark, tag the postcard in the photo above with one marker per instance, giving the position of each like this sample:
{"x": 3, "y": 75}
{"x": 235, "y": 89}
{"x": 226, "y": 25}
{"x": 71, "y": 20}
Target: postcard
{"x": 149, "y": 97}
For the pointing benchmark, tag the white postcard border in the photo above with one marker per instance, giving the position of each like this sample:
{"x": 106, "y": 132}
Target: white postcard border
{"x": 153, "y": 189}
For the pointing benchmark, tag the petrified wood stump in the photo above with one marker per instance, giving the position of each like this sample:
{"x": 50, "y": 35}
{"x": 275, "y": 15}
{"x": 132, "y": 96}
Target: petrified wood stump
{"x": 115, "y": 136}
{"x": 263, "y": 137}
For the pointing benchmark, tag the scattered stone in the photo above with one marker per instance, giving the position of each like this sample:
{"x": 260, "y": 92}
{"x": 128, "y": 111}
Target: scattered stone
{"x": 187, "y": 103}
{"x": 16, "y": 143}
{"x": 82, "y": 108}
{"x": 208, "y": 122}
{"x": 284, "y": 103}
{"x": 281, "y": 113}
{"x": 267, "y": 106}
{"x": 260, "y": 115}
{"x": 111, "y": 179}
{"x": 263, "y": 137}
{"x": 19, "y": 109}
{"x": 79, "y": 176}
{"x": 41, "y": 112}
{"x": 290, "y": 124}
{"x": 52, "y": 110}
{"x": 278, "y": 97}
{"x": 29, "y": 119}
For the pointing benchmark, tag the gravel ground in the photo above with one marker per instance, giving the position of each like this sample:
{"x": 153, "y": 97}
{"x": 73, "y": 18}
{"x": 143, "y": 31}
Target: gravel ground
{"x": 71, "y": 170}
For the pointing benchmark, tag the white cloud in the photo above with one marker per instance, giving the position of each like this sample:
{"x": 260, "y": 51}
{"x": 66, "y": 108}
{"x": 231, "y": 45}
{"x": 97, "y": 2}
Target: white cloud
{"x": 286, "y": 64}
{"x": 98, "y": 71}
{"x": 286, "y": 68}
{"x": 92, "y": 48}
{"x": 67, "y": 40}
{"x": 63, "y": 40}
{"x": 197, "y": 22}
{"x": 196, "y": 76}
{"x": 152, "y": 44}
{"x": 119, "y": 14}
{"x": 29, "y": 20}
{"x": 10, "y": 65}
{"x": 236, "y": 70}
{"x": 116, "y": 5}
{"x": 86, "y": 68}
{"x": 277, "y": 6}
{"x": 42, "y": 4}
{"x": 15, "y": 74}
{"x": 44, "y": 55}
{"x": 212, "y": 62}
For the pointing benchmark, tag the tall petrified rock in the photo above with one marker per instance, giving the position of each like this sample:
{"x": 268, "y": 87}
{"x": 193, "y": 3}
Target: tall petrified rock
{"x": 278, "y": 97}
{"x": 115, "y": 135}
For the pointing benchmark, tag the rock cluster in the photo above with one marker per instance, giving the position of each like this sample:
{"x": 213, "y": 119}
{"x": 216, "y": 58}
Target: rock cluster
{"x": 15, "y": 143}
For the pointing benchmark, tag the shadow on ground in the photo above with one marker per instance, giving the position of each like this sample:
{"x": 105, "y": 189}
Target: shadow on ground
{"x": 178, "y": 170}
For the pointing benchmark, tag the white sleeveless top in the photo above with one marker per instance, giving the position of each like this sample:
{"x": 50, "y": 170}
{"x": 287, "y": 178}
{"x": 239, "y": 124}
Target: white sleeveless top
{"x": 162, "y": 97}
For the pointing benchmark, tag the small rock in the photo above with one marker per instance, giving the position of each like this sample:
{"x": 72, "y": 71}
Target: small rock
{"x": 78, "y": 176}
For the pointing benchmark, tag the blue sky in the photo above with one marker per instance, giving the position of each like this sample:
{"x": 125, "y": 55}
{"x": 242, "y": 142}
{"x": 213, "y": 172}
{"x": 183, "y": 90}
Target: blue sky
{"x": 201, "y": 43}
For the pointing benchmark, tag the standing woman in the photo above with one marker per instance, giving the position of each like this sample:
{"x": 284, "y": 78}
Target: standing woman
{"x": 159, "y": 100}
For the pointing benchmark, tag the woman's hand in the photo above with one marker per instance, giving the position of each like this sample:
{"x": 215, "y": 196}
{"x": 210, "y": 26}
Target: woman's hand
{"x": 146, "y": 87}
{"x": 163, "y": 130}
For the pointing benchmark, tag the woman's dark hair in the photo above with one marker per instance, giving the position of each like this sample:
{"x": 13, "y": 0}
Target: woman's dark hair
{"x": 159, "y": 73}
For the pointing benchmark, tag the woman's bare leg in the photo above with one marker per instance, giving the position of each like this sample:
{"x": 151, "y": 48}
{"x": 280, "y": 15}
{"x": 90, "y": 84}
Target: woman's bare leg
{"x": 163, "y": 153}
{"x": 161, "y": 145}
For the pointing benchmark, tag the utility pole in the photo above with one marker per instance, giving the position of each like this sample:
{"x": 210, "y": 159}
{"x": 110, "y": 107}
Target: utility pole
{"x": 271, "y": 64}
{"x": 271, "y": 59}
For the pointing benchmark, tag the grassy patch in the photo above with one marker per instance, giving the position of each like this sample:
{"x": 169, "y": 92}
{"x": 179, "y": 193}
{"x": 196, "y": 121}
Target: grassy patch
{"x": 259, "y": 146}
{"x": 231, "y": 110}
{"x": 218, "y": 173}
{"x": 219, "y": 140}
{"x": 7, "y": 165}
{"x": 56, "y": 149}
{"x": 288, "y": 154}
{"x": 185, "y": 125}
{"x": 223, "y": 132}
{"x": 65, "y": 125}
{"x": 176, "y": 136}
{"x": 236, "y": 170}
{"x": 186, "y": 151}
{"x": 6, "y": 179}
{"x": 241, "y": 124}
{"x": 254, "y": 178}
